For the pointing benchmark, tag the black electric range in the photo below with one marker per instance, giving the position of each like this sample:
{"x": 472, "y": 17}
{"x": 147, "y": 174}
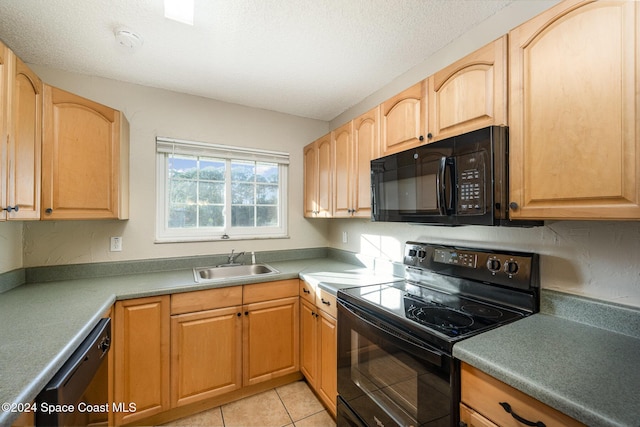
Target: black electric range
{"x": 451, "y": 293}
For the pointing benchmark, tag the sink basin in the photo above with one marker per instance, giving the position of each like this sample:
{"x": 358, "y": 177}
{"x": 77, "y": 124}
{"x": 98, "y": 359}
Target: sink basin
{"x": 222, "y": 272}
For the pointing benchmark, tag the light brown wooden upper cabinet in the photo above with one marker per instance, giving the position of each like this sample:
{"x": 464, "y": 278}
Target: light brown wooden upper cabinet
{"x": 317, "y": 178}
{"x": 342, "y": 160}
{"x": 4, "y": 135}
{"x": 22, "y": 139}
{"x": 366, "y": 147}
{"x": 85, "y": 170}
{"x": 573, "y": 112}
{"x": 470, "y": 93}
{"x": 403, "y": 120}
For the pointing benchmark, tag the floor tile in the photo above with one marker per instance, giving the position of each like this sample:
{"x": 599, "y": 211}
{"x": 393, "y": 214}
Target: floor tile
{"x": 262, "y": 410}
{"x": 209, "y": 418}
{"x": 299, "y": 400}
{"x": 321, "y": 419}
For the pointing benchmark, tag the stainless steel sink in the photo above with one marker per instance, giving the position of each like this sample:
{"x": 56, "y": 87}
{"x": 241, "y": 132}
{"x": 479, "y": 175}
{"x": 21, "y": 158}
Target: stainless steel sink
{"x": 222, "y": 272}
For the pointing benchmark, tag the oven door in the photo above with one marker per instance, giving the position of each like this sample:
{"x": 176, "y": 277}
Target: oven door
{"x": 388, "y": 378}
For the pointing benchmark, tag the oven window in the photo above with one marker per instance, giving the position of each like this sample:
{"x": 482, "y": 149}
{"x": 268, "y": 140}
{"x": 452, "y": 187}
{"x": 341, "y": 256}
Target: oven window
{"x": 395, "y": 386}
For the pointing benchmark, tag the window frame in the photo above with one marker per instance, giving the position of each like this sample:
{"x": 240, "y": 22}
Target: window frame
{"x": 166, "y": 147}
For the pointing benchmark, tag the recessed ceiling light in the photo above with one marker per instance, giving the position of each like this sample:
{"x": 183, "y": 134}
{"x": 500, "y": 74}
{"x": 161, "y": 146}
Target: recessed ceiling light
{"x": 179, "y": 10}
{"x": 127, "y": 38}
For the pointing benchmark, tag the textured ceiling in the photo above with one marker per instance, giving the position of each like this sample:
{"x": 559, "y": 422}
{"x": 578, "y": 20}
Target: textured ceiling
{"x": 311, "y": 58}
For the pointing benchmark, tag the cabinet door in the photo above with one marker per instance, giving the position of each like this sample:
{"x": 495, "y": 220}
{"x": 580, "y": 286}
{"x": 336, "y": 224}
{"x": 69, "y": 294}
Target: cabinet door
{"x": 206, "y": 354}
{"x": 573, "y": 112}
{"x": 311, "y": 175}
{"x": 309, "y": 342}
{"x": 85, "y": 159}
{"x": 470, "y": 418}
{"x": 366, "y": 145}
{"x": 470, "y": 93}
{"x": 328, "y": 378}
{"x": 403, "y": 119}
{"x": 25, "y": 141}
{"x": 4, "y": 135}
{"x": 271, "y": 333}
{"x": 317, "y": 178}
{"x": 141, "y": 344}
{"x": 342, "y": 157}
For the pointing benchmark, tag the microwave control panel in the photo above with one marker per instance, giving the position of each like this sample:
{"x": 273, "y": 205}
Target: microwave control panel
{"x": 471, "y": 184}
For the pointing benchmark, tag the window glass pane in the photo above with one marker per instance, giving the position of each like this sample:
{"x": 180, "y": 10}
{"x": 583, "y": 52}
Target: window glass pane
{"x": 211, "y": 193}
{"x": 243, "y": 171}
{"x": 267, "y": 194}
{"x": 242, "y": 216}
{"x": 212, "y": 169}
{"x": 183, "y": 167}
{"x": 211, "y": 216}
{"x": 242, "y": 194}
{"x": 267, "y": 216}
{"x": 205, "y": 196}
{"x": 183, "y": 192}
{"x": 182, "y": 216}
{"x": 267, "y": 172}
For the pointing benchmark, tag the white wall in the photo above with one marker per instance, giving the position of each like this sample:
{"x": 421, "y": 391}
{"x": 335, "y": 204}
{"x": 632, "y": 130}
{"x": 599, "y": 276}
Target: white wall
{"x": 598, "y": 259}
{"x": 153, "y": 112}
{"x": 10, "y": 245}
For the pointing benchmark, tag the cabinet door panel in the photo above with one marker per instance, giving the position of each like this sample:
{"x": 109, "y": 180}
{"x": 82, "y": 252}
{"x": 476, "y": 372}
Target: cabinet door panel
{"x": 328, "y": 387}
{"x": 271, "y": 340}
{"x": 85, "y": 159}
{"x": 311, "y": 174}
{"x": 366, "y": 148}
{"x": 142, "y": 356}
{"x": 403, "y": 119}
{"x": 342, "y": 170}
{"x": 206, "y": 350}
{"x": 574, "y": 143}
{"x": 309, "y": 342}
{"x": 470, "y": 93}
{"x": 25, "y": 146}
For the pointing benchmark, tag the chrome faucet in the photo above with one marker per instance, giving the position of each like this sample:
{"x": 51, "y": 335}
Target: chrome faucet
{"x": 232, "y": 257}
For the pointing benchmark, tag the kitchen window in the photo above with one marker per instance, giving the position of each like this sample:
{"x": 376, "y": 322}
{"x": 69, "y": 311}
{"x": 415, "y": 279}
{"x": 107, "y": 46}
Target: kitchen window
{"x": 213, "y": 192}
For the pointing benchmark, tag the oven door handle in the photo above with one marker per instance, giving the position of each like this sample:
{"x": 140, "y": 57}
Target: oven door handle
{"x": 425, "y": 352}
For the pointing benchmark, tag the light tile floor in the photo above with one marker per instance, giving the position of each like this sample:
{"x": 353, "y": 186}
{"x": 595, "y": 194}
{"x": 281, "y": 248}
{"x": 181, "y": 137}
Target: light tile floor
{"x": 290, "y": 405}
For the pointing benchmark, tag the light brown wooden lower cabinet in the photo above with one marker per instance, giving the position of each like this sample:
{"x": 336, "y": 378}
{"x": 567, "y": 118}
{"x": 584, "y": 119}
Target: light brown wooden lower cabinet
{"x": 180, "y": 354}
{"x": 318, "y": 344}
{"x": 482, "y": 396}
{"x": 141, "y": 345}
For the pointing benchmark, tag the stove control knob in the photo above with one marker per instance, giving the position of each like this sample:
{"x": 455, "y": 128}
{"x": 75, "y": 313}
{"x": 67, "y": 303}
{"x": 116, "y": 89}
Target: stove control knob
{"x": 422, "y": 253}
{"x": 511, "y": 267}
{"x": 412, "y": 252}
{"x": 493, "y": 265}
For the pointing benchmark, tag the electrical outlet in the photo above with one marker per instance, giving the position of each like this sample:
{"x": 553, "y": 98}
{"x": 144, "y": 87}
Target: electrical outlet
{"x": 345, "y": 237}
{"x": 116, "y": 244}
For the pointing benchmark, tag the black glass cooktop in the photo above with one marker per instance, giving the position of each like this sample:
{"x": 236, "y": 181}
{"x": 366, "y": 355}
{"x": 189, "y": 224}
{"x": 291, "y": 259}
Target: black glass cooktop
{"x": 434, "y": 311}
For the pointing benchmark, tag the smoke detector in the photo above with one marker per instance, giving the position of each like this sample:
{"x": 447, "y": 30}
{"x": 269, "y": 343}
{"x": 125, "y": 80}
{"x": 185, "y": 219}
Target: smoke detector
{"x": 128, "y": 39}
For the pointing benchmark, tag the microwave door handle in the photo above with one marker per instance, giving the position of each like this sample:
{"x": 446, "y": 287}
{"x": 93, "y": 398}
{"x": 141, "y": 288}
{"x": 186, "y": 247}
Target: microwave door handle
{"x": 441, "y": 185}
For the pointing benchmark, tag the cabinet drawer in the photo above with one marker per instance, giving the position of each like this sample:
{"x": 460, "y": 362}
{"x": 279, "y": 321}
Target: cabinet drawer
{"x": 270, "y": 290}
{"x": 207, "y": 299}
{"x": 308, "y": 292}
{"x": 484, "y": 394}
{"x": 327, "y": 303}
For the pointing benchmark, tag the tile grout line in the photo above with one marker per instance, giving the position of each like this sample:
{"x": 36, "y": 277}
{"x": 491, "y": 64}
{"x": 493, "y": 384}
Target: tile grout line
{"x": 284, "y": 406}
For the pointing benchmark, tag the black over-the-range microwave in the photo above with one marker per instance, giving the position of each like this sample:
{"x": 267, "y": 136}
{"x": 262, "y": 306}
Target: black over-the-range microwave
{"x": 461, "y": 180}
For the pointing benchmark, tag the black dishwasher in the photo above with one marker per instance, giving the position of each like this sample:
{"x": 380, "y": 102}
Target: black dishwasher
{"x": 59, "y": 403}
